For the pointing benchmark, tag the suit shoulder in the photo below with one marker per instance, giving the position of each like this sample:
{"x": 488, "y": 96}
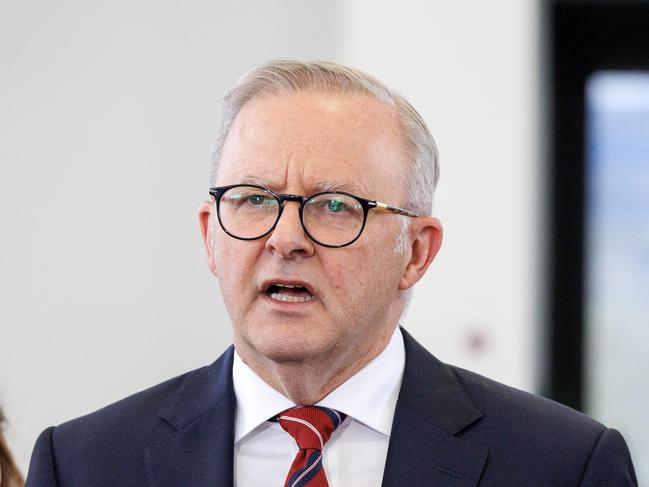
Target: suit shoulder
{"x": 133, "y": 414}
{"x": 503, "y": 404}
{"x": 84, "y": 451}
{"x": 501, "y": 409}
{"x": 178, "y": 399}
{"x": 113, "y": 435}
{"x": 525, "y": 433}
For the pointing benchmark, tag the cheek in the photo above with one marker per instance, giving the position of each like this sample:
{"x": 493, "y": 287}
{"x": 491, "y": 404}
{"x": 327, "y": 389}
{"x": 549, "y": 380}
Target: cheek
{"x": 339, "y": 276}
{"x": 234, "y": 260}
{"x": 378, "y": 270}
{"x": 357, "y": 273}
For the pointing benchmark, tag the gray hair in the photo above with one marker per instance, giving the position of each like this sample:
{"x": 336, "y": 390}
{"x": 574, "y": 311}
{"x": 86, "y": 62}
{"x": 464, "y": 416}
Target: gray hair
{"x": 287, "y": 76}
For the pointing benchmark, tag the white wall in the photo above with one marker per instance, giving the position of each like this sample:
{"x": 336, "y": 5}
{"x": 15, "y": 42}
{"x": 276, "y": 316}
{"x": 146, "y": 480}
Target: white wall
{"x": 108, "y": 111}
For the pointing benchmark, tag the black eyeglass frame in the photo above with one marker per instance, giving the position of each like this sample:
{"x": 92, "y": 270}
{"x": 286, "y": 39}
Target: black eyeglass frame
{"x": 366, "y": 204}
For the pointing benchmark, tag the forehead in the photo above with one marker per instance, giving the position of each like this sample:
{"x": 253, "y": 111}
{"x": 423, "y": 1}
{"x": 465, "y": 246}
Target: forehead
{"x": 309, "y": 139}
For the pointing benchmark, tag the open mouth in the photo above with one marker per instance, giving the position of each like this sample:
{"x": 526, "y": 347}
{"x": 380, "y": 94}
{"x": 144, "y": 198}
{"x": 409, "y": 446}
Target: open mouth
{"x": 289, "y": 293}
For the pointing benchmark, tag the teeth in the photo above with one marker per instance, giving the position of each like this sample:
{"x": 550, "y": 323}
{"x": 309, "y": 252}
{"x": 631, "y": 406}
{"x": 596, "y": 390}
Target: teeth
{"x": 290, "y": 299}
{"x": 286, "y": 285}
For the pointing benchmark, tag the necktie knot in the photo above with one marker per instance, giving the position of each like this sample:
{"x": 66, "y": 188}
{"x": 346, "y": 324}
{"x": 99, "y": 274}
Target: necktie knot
{"x": 310, "y": 426}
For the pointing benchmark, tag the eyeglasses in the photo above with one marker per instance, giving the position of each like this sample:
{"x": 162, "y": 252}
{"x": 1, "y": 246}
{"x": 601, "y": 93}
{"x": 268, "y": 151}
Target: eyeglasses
{"x": 331, "y": 219}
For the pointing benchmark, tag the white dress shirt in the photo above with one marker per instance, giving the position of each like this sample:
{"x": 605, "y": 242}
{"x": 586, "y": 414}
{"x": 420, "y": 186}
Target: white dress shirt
{"x": 356, "y": 452}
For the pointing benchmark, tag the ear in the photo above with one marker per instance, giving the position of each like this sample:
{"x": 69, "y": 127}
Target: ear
{"x": 205, "y": 214}
{"x": 426, "y": 239}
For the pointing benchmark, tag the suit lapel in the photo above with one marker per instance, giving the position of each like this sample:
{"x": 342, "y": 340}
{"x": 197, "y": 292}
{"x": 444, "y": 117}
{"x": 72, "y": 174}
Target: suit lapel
{"x": 432, "y": 409}
{"x": 195, "y": 437}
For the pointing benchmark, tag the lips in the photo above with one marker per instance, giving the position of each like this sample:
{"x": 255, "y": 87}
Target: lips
{"x": 288, "y": 291}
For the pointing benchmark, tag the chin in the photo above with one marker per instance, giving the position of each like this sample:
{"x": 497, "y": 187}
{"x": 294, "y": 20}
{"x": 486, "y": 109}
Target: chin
{"x": 287, "y": 346}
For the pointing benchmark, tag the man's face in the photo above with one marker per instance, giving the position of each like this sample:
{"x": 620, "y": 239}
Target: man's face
{"x": 305, "y": 143}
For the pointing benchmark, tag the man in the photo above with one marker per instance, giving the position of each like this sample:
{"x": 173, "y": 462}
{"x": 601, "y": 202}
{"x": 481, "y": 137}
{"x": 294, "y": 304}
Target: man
{"x": 317, "y": 230}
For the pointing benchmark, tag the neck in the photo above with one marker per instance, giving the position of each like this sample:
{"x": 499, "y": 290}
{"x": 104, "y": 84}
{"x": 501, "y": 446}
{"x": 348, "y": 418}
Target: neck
{"x": 308, "y": 381}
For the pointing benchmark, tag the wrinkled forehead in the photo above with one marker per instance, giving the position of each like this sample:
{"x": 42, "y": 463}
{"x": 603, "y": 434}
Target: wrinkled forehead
{"x": 316, "y": 141}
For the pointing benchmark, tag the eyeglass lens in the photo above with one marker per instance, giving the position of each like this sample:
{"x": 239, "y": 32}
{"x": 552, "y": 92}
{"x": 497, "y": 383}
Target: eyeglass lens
{"x": 331, "y": 218}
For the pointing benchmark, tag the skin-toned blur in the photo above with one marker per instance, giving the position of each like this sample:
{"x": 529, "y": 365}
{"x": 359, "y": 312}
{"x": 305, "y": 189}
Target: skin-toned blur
{"x": 303, "y": 143}
{"x": 10, "y": 476}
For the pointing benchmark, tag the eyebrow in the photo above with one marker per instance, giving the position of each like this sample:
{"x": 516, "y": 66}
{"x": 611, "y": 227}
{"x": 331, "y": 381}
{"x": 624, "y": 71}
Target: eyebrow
{"x": 258, "y": 181}
{"x": 356, "y": 188}
{"x": 321, "y": 186}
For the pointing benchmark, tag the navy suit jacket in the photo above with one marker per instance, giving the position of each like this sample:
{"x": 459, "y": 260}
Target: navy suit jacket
{"x": 451, "y": 428}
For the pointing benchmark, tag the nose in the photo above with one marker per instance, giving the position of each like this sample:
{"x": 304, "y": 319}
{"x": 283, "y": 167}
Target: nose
{"x": 289, "y": 239}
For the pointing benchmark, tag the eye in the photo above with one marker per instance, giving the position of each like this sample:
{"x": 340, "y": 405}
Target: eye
{"x": 257, "y": 199}
{"x": 332, "y": 205}
{"x": 336, "y": 206}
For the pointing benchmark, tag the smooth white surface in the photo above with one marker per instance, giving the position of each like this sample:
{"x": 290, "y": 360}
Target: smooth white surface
{"x": 263, "y": 451}
{"x": 108, "y": 112}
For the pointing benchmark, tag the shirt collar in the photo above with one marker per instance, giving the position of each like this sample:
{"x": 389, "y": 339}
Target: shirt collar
{"x": 380, "y": 381}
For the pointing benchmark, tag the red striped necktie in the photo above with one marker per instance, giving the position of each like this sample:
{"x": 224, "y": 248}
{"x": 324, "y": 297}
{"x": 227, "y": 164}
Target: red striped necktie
{"x": 311, "y": 427}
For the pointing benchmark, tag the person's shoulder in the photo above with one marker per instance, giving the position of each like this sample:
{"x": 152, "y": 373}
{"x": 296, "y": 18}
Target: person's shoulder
{"x": 138, "y": 417}
{"x": 523, "y": 433}
{"x": 520, "y": 428}
{"x": 90, "y": 446}
{"x": 138, "y": 412}
{"x": 500, "y": 401}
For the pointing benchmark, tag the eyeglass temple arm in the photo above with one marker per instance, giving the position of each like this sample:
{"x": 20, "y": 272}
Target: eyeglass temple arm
{"x": 395, "y": 209}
